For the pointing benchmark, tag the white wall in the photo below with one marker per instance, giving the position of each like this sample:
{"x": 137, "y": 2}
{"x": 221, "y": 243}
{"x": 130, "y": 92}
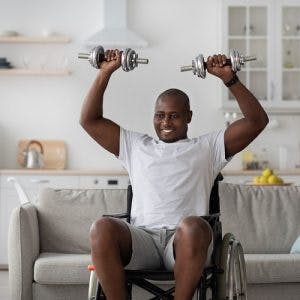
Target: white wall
{"x": 48, "y": 107}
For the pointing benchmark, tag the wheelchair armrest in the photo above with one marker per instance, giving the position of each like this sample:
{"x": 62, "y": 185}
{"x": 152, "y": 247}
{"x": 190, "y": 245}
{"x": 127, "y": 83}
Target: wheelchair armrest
{"x": 119, "y": 216}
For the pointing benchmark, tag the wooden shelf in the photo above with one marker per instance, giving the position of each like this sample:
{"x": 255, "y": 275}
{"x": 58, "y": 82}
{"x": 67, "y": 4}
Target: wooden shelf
{"x": 28, "y": 39}
{"x": 291, "y": 69}
{"x": 245, "y": 37}
{"x": 55, "y": 72}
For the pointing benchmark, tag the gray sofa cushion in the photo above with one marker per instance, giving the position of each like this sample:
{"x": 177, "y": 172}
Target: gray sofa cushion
{"x": 65, "y": 216}
{"x": 272, "y": 268}
{"x": 60, "y": 268}
{"x": 269, "y": 215}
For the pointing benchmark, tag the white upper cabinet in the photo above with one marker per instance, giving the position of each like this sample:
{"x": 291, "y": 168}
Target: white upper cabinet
{"x": 270, "y": 30}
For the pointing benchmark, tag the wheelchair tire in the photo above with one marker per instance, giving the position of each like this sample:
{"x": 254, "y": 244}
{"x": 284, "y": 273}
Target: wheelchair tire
{"x": 231, "y": 283}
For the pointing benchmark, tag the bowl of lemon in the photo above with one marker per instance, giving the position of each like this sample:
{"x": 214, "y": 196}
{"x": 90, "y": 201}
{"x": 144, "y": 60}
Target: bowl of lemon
{"x": 268, "y": 177}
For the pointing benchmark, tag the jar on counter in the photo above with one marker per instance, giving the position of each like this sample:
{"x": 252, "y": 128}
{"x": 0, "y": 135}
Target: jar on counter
{"x": 263, "y": 157}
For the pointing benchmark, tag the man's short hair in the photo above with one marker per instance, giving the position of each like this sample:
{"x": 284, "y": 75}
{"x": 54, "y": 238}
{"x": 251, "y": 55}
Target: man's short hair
{"x": 178, "y": 93}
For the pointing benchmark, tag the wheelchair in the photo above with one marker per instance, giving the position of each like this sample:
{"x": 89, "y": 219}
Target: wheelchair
{"x": 224, "y": 279}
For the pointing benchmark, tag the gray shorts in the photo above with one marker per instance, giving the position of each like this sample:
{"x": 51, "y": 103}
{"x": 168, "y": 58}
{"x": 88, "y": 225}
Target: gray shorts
{"x": 153, "y": 248}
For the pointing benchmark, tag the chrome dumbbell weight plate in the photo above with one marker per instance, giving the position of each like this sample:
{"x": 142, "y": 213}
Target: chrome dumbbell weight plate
{"x": 129, "y": 59}
{"x": 95, "y": 57}
{"x": 237, "y": 60}
{"x": 198, "y": 66}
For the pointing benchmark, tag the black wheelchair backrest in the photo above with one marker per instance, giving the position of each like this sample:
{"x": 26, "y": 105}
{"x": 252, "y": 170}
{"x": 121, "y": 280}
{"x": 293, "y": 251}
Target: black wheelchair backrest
{"x": 214, "y": 201}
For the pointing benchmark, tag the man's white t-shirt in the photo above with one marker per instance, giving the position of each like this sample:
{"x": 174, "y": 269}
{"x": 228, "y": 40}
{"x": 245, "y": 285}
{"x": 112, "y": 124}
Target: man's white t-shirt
{"x": 170, "y": 181}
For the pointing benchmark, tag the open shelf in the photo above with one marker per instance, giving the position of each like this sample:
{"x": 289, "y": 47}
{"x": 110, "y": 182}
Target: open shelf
{"x": 62, "y": 72}
{"x": 33, "y": 39}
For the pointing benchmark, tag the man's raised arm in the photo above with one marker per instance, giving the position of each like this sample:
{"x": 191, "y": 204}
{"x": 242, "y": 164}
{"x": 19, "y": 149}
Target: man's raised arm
{"x": 104, "y": 131}
{"x": 242, "y": 132}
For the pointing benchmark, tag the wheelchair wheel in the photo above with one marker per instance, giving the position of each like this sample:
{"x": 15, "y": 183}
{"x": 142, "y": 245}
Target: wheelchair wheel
{"x": 231, "y": 283}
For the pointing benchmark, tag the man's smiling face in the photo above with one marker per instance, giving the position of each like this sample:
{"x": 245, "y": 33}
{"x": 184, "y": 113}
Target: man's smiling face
{"x": 171, "y": 118}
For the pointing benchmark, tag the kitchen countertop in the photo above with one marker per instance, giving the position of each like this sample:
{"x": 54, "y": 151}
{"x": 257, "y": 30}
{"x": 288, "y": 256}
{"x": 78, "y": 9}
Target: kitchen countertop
{"x": 62, "y": 172}
{"x": 120, "y": 172}
{"x": 258, "y": 172}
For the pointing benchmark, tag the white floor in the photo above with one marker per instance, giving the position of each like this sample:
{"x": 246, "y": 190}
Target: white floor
{"x": 4, "y": 291}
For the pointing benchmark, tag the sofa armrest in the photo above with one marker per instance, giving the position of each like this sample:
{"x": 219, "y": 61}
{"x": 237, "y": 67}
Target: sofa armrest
{"x": 23, "y": 250}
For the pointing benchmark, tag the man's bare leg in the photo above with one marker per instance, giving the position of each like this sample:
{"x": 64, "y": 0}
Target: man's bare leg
{"x": 111, "y": 246}
{"x": 192, "y": 239}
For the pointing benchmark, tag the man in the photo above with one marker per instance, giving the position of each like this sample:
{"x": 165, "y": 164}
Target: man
{"x": 171, "y": 178}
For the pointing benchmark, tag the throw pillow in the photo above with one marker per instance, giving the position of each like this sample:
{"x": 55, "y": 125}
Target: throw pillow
{"x": 296, "y": 246}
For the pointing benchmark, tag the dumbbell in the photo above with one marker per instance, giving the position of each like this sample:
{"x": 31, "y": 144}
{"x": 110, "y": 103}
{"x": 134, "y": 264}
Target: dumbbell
{"x": 236, "y": 61}
{"x": 129, "y": 58}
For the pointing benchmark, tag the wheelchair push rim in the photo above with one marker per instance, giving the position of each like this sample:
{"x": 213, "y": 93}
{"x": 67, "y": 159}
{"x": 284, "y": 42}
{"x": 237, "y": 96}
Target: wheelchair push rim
{"x": 231, "y": 282}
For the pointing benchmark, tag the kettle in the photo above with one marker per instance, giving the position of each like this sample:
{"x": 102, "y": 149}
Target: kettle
{"x": 33, "y": 159}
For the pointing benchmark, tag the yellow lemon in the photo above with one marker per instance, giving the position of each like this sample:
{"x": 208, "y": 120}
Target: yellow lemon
{"x": 256, "y": 179}
{"x": 267, "y": 172}
{"x": 263, "y": 179}
{"x": 273, "y": 179}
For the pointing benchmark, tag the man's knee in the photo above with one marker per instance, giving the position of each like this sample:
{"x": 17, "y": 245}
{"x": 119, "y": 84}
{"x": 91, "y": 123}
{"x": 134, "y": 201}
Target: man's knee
{"x": 102, "y": 232}
{"x": 193, "y": 230}
{"x": 110, "y": 235}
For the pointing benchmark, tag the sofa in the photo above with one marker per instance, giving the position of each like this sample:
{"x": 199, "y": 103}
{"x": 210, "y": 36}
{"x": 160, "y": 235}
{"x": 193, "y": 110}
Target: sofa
{"x": 266, "y": 220}
{"x": 49, "y": 240}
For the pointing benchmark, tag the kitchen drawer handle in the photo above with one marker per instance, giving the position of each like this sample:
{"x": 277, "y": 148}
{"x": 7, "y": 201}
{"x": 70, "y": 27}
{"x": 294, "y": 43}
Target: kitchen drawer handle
{"x": 96, "y": 181}
{"x": 112, "y": 182}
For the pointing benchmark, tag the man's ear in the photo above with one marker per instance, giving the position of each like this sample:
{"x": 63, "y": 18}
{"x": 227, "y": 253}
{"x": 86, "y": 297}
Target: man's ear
{"x": 189, "y": 118}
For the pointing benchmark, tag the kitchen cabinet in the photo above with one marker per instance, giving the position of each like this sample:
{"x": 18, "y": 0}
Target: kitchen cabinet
{"x": 26, "y": 71}
{"x": 104, "y": 182}
{"x": 270, "y": 30}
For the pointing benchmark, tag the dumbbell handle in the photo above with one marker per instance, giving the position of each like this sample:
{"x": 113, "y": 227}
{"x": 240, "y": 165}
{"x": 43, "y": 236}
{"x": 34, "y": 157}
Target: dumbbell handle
{"x": 143, "y": 61}
{"x": 228, "y": 62}
{"x": 84, "y": 55}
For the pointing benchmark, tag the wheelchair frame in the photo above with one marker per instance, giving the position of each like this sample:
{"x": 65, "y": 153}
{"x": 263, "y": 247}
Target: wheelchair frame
{"x": 225, "y": 278}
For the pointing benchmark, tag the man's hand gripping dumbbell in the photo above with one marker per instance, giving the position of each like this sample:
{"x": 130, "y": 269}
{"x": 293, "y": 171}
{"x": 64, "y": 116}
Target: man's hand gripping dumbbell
{"x": 218, "y": 65}
{"x": 235, "y": 60}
